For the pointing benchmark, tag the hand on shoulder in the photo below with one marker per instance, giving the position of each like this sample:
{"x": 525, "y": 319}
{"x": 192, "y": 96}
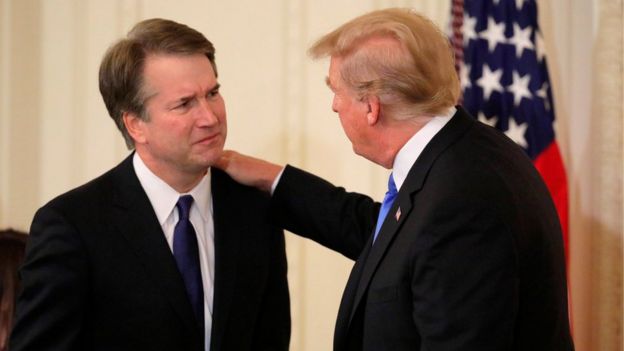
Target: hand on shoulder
{"x": 248, "y": 170}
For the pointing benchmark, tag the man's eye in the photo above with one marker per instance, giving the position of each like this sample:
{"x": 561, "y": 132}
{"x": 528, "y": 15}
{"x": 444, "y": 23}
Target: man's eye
{"x": 213, "y": 93}
{"x": 183, "y": 104}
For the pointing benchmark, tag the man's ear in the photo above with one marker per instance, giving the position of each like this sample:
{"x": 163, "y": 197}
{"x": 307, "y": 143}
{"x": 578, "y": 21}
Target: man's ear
{"x": 135, "y": 127}
{"x": 372, "y": 116}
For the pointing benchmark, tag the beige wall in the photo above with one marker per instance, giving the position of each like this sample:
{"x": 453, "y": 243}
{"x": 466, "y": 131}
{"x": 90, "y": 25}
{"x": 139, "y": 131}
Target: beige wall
{"x": 55, "y": 133}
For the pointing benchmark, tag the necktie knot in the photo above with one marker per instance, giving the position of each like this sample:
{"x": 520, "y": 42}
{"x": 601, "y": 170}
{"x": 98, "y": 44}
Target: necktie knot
{"x": 184, "y": 206}
{"x": 391, "y": 186}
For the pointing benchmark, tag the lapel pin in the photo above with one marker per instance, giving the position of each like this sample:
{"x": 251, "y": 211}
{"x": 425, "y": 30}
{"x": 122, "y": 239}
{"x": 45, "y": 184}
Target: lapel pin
{"x": 398, "y": 214}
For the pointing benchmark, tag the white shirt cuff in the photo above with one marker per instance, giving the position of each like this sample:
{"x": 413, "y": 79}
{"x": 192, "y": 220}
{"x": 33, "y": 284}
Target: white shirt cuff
{"x": 276, "y": 181}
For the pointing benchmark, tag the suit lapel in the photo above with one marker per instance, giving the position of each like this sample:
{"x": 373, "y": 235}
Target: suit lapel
{"x": 386, "y": 233}
{"x": 454, "y": 129}
{"x": 139, "y": 225}
{"x": 228, "y": 224}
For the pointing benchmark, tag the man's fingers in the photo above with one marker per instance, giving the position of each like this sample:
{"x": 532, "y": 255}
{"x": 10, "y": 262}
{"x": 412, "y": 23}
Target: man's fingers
{"x": 224, "y": 161}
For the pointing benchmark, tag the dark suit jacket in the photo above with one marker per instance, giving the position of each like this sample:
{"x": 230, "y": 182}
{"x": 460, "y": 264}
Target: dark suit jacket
{"x": 99, "y": 275}
{"x": 474, "y": 260}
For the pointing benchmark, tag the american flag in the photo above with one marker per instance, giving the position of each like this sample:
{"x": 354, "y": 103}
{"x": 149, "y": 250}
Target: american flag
{"x": 502, "y": 67}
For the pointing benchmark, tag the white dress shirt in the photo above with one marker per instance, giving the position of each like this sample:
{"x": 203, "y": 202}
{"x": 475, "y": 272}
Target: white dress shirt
{"x": 408, "y": 154}
{"x": 163, "y": 199}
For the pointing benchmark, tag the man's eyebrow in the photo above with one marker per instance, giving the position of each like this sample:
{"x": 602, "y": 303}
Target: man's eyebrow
{"x": 184, "y": 97}
{"x": 215, "y": 87}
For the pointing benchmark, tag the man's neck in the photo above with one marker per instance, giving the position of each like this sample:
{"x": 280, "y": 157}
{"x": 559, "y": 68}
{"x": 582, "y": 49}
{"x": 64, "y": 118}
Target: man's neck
{"x": 397, "y": 134}
{"x": 180, "y": 180}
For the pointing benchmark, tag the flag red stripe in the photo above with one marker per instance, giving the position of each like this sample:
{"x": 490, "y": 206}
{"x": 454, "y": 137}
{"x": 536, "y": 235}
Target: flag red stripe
{"x": 458, "y": 37}
{"x": 550, "y": 165}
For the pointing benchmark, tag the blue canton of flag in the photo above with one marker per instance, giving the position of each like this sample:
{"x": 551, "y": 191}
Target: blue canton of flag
{"x": 504, "y": 75}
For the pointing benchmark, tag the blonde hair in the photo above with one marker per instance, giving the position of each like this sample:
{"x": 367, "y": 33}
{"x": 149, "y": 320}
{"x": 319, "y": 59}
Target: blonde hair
{"x": 412, "y": 73}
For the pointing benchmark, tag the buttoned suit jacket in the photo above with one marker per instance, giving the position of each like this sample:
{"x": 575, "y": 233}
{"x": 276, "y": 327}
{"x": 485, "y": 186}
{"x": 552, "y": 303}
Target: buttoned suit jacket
{"x": 470, "y": 256}
{"x": 99, "y": 274}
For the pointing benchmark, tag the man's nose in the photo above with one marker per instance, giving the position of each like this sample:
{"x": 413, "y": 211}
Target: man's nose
{"x": 334, "y": 106}
{"x": 207, "y": 116}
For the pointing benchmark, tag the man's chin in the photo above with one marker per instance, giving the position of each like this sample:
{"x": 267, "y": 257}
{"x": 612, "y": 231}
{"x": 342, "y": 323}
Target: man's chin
{"x": 205, "y": 161}
{"x": 359, "y": 152}
{"x": 372, "y": 158}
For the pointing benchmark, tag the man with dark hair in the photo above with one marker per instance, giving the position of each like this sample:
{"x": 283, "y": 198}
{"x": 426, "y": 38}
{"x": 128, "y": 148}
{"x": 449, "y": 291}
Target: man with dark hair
{"x": 466, "y": 252}
{"x": 162, "y": 252}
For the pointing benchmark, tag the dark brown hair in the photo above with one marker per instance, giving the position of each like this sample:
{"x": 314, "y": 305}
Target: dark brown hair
{"x": 121, "y": 70}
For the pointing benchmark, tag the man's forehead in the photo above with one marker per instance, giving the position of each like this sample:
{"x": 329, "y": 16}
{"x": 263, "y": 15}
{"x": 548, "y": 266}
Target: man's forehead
{"x": 333, "y": 75}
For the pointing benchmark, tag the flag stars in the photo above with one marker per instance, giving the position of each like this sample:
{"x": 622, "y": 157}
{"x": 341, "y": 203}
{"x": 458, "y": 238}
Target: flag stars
{"x": 520, "y": 87}
{"x": 521, "y": 39}
{"x": 516, "y": 132}
{"x": 490, "y": 81}
{"x": 464, "y": 76}
{"x": 468, "y": 29}
{"x": 494, "y": 34}
{"x": 543, "y": 93}
{"x": 519, "y": 4}
{"x": 506, "y": 83}
{"x": 489, "y": 121}
{"x": 540, "y": 48}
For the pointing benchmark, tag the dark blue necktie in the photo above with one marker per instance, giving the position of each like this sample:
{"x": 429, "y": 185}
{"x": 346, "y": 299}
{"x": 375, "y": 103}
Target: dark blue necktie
{"x": 186, "y": 253}
{"x": 386, "y": 204}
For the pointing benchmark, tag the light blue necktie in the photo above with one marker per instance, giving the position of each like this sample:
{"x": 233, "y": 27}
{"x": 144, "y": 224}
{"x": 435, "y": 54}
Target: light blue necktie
{"x": 186, "y": 253}
{"x": 385, "y": 206}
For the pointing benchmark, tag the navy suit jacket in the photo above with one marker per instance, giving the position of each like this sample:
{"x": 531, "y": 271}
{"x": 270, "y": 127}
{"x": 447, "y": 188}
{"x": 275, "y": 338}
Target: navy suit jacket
{"x": 470, "y": 256}
{"x": 99, "y": 275}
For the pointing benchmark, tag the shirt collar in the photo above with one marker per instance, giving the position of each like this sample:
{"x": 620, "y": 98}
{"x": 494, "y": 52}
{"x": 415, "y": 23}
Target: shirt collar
{"x": 407, "y": 156}
{"x": 164, "y": 198}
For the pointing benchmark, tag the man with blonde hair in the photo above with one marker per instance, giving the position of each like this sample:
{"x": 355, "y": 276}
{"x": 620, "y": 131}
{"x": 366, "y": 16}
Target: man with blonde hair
{"x": 465, "y": 253}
